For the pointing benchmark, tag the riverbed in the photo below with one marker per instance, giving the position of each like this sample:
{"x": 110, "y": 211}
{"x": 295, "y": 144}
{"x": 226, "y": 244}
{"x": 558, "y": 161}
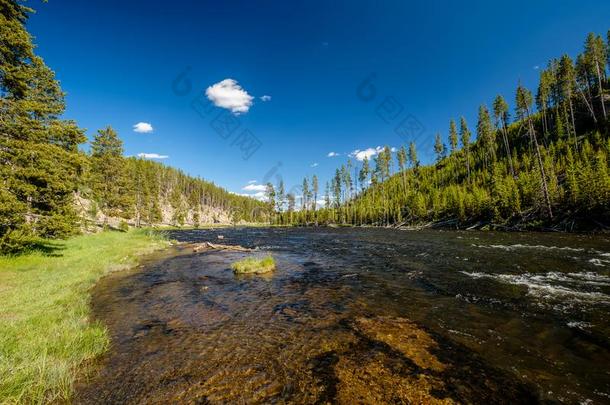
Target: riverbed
{"x": 360, "y": 316}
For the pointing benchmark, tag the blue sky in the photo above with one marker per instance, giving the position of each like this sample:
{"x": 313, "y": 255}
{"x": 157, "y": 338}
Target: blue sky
{"x": 120, "y": 63}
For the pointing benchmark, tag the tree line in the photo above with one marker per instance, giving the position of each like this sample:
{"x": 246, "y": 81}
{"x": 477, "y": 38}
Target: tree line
{"x": 43, "y": 169}
{"x": 546, "y": 167}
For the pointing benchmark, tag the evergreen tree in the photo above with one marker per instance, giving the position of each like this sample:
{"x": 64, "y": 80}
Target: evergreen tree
{"x": 291, "y": 206}
{"x": 595, "y": 56}
{"x": 38, "y": 151}
{"x": 439, "y": 148}
{"x": 501, "y": 116}
{"x": 465, "y": 137}
{"x": 109, "y": 178}
{"x": 584, "y": 82}
{"x": 524, "y": 103}
{"x": 567, "y": 81}
{"x": 486, "y": 134}
{"x": 314, "y": 189}
{"x": 453, "y": 136}
{"x": 337, "y": 188}
{"x": 305, "y": 198}
{"x": 280, "y": 196}
{"x": 413, "y": 155}
{"x": 270, "y": 195}
{"x": 543, "y": 96}
{"x": 364, "y": 172}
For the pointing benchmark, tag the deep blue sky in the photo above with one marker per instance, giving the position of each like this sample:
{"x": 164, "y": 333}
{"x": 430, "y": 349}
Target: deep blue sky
{"x": 117, "y": 61}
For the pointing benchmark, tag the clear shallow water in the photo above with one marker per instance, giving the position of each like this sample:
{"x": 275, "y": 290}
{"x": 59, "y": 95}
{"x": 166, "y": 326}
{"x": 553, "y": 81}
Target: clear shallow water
{"x": 361, "y": 315}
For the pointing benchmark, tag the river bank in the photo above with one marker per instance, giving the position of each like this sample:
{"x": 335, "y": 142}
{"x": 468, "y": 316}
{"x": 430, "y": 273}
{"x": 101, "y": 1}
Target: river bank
{"x": 45, "y": 330}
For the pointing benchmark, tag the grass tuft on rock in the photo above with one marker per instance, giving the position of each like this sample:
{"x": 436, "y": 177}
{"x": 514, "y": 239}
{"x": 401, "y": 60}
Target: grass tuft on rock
{"x": 253, "y": 265}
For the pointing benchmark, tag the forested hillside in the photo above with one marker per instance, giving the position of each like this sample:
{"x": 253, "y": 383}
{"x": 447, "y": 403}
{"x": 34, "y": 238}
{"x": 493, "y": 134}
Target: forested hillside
{"x": 148, "y": 193}
{"x": 546, "y": 168}
{"x": 48, "y": 184}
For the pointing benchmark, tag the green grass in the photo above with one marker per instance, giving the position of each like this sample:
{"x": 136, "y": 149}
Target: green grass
{"x": 254, "y": 265}
{"x": 45, "y": 330}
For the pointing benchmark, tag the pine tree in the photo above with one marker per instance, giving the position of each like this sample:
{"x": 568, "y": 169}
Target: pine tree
{"x": 413, "y": 155}
{"x": 501, "y": 116}
{"x": 291, "y": 206}
{"x": 486, "y": 134}
{"x": 595, "y": 56}
{"x": 567, "y": 81}
{"x": 439, "y": 148}
{"x": 524, "y": 103}
{"x": 270, "y": 195}
{"x": 314, "y": 188}
{"x": 40, "y": 162}
{"x": 364, "y": 172}
{"x": 543, "y": 96}
{"x": 281, "y": 191}
{"x": 305, "y": 197}
{"x": 465, "y": 136}
{"x": 453, "y": 136}
{"x": 110, "y": 181}
{"x": 584, "y": 84}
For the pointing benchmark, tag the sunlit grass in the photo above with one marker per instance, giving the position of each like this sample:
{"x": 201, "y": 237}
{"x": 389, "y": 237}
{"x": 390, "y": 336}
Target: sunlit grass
{"x": 45, "y": 329}
{"x": 254, "y": 265}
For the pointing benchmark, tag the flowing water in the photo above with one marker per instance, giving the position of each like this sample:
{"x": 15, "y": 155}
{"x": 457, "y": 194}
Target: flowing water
{"x": 360, "y": 316}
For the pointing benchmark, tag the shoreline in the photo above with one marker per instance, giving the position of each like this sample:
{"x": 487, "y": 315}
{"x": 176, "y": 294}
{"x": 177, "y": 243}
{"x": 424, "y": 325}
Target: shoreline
{"x": 46, "y": 329}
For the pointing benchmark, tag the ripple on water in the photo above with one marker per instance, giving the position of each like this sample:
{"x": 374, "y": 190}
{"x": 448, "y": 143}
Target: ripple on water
{"x": 356, "y": 316}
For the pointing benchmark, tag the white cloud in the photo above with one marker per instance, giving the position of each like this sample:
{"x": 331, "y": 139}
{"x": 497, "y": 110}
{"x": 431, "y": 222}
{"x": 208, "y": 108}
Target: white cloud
{"x": 259, "y": 196}
{"x": 252, "y": 182}
{"x": 143, "y": 128}
{"x": 152, "y": 156}
{"x": 536, "y": 67}
{"x": 332, "y": 154}
{"x": 368, "y": 153}
{"x": 314, "y": 165}
{"x": 255, "y": 187}
{"x": 266, "y": 98}
{"x": 230, "y": 95}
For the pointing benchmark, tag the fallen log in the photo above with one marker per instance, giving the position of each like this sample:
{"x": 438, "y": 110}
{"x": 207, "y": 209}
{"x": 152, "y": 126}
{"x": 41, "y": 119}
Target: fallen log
{"x": 205, "y": 246}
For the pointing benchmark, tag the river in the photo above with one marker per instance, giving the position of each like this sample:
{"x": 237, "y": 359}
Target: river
{"x": 360, "y": 316}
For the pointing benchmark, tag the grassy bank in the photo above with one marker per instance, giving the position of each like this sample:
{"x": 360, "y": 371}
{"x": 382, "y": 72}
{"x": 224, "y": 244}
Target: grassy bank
{"x": 45, "y": 332}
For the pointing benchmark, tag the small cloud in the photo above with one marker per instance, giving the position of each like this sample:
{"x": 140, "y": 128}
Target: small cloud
{"x": 314, "y": 165}
{"x": 265, "y": 98}
{"x": 368, "y": 153}
{"x": 230, "y": 95}
{"x": 143, "y": 128}
{"x": 252, "y": 182}
{"x": 332, "y": 154}
{"x": 324, "y": 44}
{"x": 536, "y": 67}
{"x": 261, "y": 195}
{"x": 255, "y": 187}
{"x": 152, "y": 156}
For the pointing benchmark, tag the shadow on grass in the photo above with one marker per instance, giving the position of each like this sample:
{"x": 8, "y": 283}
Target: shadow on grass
{"x": 46, "y": 247}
